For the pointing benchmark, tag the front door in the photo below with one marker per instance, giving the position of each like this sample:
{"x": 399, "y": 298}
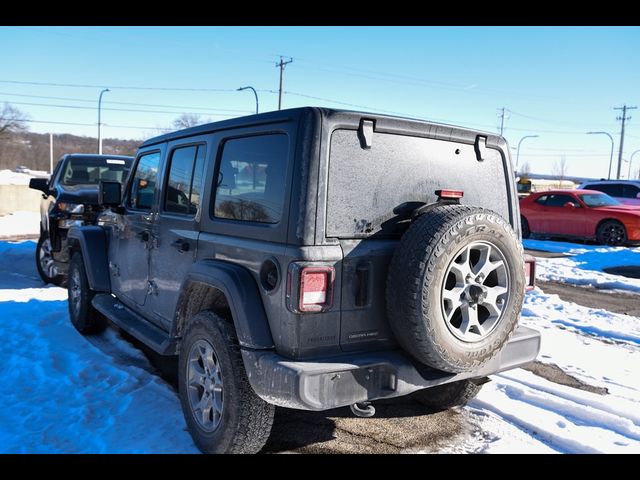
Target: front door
{"x": 563, "y": 215}
{"x": 176, "y": 226}
{"x": 130, "y": 264}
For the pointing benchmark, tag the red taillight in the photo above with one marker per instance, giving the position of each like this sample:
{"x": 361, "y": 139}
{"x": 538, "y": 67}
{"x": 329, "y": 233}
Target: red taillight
{"x": 529, "y": 272}
{"x": 316, "y": 289}
{"x": 449, "y": 194}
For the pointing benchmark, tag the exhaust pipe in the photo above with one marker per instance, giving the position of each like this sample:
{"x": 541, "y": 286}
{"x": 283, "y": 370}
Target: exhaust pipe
{"x": 363, "y": 409}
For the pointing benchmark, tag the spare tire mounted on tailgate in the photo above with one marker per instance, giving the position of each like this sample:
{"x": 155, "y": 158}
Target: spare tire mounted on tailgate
{"x": 455, "y": 287}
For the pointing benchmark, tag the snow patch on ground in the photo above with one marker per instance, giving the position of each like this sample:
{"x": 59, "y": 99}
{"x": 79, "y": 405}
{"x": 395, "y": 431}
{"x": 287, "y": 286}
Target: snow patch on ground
{"x": 61, "y": 392}
{"x": 64, "y": 393}
{"x": 585, "y": 264}
{"x": 19, "y": 223}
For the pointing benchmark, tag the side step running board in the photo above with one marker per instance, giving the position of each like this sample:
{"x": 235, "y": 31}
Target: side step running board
{"x": 134, "y": 324}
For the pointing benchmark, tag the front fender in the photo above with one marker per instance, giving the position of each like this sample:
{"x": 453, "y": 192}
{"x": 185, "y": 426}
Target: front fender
{"x": 91, "y": 241}
{"x": 242, "y": 295}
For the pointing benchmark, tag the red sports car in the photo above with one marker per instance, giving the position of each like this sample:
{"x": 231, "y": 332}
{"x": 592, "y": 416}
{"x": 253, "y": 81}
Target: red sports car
{"x": 585, "y": 214}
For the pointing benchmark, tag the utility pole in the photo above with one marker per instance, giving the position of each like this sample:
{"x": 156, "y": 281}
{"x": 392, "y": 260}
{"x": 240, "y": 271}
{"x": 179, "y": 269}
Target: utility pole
{"x": 623, "y": 118}
{"x": 281, "y": 64}
{"x": 502, "y": 115}
{"x": 51, "y": 153}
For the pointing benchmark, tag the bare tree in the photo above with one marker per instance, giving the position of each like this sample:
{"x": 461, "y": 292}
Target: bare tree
{"x": 12, "y": 120}
{"x": 187, "y": 120}
{"x": 560, "y": 169}
{"x": 525, "y": 170}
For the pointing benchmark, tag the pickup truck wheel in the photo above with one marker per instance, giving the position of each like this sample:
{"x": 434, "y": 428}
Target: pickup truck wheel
{"x": 455, "y": 287}
{"x": 611, "y": 232}
{"x": 84, "y": 317}
{"x": 223, "y": 413}
{"x": 45, "y": 263}
{"x": 454, "y": 394}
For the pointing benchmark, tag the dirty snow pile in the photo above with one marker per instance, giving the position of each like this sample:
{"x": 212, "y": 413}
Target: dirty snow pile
{"x": 585, "y": 264}
{"x": 9, "y": 177}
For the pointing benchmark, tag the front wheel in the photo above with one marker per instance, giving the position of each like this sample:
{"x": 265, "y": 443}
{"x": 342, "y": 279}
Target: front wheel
{"x": 611, "y": 232}
{"x": 84, "y": 317}
{"x": 223, "y": 413}
{"x": 44, "y": 261}
{"x": 449, "y": 395}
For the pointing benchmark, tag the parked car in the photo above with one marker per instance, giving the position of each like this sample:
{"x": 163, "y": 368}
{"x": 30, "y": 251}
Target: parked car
{"x": 311, "y": 259}
{"x": 625, "y": 191}
{"x": 70, "y": 197}
{"x": 22, "y": 169}
{"x": 581, "y": 214}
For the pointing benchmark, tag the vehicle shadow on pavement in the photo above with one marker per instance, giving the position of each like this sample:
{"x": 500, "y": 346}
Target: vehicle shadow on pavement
{"x": 399, "y": 425}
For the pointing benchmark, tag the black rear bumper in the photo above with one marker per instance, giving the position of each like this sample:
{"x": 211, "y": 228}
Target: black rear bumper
{"x": 344, "y": 380}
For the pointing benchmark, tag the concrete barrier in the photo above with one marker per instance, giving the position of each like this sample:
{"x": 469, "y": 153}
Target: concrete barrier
{"x": 19, "y": 197}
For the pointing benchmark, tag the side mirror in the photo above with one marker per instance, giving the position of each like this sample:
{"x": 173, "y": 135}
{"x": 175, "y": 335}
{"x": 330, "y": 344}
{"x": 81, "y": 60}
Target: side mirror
{"x": 571, "y": 205}
{"x": 109, "y": 194}
{"x": 41, "y": 184}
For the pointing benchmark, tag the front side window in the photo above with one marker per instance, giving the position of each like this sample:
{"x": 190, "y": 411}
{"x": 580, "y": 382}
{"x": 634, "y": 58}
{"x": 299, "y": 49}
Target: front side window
{"x": 611, "y": 189}
{"x": 185, "y": 179}
{"x": 250, "y": 183}
{"x": 542, "y": 199}
{"x": 559, "y": 200}
{"x": 144, "y": 180}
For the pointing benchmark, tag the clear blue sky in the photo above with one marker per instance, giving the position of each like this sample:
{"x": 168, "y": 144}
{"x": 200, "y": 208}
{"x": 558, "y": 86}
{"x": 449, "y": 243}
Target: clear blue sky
{"x": 557, "y": 82}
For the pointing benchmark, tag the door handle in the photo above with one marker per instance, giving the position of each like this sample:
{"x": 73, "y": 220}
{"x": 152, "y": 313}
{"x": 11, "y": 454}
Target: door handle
{"x": 181, "y": 245}
{"x": 144, "y": 235}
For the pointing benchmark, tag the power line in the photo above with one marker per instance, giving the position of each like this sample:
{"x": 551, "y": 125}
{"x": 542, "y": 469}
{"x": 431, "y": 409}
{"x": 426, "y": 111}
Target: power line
{"x": 124, "y": 103}
{"x": 52, "y": 122}
{"x": 80, "y": 107}
{"x": 120, "y": 87}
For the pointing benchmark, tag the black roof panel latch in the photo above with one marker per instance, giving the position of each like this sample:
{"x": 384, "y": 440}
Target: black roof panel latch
{"x": 365, "y": 133}
{"x": 480, "y": 147}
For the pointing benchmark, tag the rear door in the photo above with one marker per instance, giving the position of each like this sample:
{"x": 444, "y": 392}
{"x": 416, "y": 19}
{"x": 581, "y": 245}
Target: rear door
{"x": 176, "y": 228}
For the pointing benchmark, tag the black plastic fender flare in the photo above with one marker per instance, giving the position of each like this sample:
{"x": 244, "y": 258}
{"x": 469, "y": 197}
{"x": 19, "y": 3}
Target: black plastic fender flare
{"x": 91, "y": 241}
{"x": 243, "y": 297}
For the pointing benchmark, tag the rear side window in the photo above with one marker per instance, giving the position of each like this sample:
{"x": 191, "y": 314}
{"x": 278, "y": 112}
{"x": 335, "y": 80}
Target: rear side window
{"x": 144, "y": 182}
{"x": 185, "y": 178}
{"x": 250, "y": 183}
{"x": 542, "y": 200}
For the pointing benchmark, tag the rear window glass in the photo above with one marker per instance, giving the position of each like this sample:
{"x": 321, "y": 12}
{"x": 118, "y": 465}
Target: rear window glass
{"x": 399, "y": 173}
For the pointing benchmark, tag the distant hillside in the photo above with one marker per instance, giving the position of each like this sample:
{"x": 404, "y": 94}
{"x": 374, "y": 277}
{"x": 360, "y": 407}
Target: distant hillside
{"x": 32, "y": 149}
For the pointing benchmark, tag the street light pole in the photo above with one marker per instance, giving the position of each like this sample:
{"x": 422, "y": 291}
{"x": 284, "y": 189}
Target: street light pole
{"x": 254, "y": 93}
{"x": 610, "y": 156}
{"x": 99, "y": 111}
{"x": 630, "y": 162}
{"x": 518, "y": 152}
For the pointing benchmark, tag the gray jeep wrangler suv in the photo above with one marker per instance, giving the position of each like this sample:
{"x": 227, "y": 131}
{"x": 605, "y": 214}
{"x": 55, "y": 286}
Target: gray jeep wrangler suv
{"x": 311, "y": 258}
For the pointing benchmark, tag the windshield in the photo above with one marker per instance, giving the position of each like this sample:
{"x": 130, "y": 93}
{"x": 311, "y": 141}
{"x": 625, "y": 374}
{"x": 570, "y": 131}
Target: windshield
{"x": 89, "y": 171}
{"x": 594, "y": 200}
